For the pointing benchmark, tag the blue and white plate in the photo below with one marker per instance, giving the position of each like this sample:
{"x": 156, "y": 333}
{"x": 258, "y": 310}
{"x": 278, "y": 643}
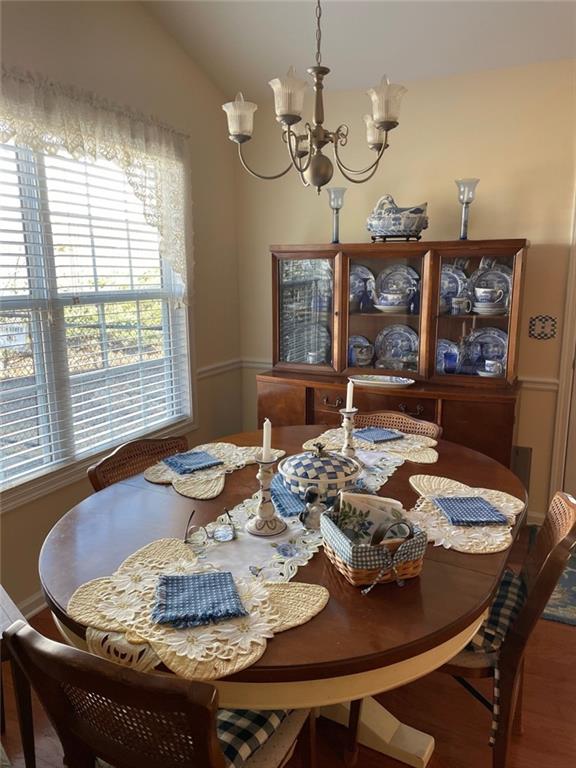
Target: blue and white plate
{"x": 442, "y": 346}
{"x": 453, "y": 282}
{"x": 397, "y": 277}
{"x": 359, "y": 274}
{"x": 498, "y": 276}
{"x": 486, "y": 344}
{"x": 396, "y": 342}
{"x": 353, "y": 340}
{"x": 373, "y": 380}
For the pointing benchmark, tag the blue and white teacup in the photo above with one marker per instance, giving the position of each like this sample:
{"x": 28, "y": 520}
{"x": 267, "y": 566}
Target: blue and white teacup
{"x": 494, "y": 367}
{"x": 394, "y": 298}
{"x": 461, "y": 305}
{"x": 488, "y": 295}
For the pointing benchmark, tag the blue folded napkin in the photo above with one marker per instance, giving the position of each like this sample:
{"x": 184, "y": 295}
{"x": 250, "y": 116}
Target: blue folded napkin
{"x": 287, "y": 504}
{"x": 191, "y": 461}
{"x": 378, "y": 434}
{"x": 196, "y": 599}
{"x": 469, "y": 510}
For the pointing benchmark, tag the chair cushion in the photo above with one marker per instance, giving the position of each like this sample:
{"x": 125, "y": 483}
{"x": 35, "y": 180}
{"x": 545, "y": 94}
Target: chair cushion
{"x": 242, "y": 731}
{"x": 505, "y": 608}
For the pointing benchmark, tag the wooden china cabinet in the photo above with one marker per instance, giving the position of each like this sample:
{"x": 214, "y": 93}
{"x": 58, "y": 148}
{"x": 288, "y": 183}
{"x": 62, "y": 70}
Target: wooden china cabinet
{"x": 325, "y": 314}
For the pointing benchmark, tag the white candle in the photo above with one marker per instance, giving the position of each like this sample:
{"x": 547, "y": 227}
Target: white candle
{"x": 267, "y": 441}
{"x": 350, "y": 396}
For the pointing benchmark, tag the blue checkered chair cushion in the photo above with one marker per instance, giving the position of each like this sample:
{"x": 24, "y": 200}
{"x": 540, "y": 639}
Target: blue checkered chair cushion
{"x": 378, "y": 434}
{"x": 505, "y": 607}
{"x": 191, "y": 461}
{"x": 242, "y": 731}
{"x": 196, "y": 599}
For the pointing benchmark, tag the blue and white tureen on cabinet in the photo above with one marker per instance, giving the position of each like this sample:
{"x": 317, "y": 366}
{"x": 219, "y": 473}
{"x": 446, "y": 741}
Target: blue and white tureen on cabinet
{"x": 389, "y": 220}
{"x": 329, "y": 472}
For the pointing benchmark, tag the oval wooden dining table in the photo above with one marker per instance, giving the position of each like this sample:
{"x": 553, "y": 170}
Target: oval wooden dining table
{"x": 358, "y": 645}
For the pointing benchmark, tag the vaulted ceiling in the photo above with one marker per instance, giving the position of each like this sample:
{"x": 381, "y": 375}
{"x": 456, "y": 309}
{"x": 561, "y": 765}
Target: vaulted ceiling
{"x": 244, "y": 43}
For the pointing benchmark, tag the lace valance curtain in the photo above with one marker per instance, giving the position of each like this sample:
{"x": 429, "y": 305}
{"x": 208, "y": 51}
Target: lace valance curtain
{"x": 50, "y": 117}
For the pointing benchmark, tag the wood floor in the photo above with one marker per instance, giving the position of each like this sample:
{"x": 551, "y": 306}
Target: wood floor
{"x": 436, "y": 704}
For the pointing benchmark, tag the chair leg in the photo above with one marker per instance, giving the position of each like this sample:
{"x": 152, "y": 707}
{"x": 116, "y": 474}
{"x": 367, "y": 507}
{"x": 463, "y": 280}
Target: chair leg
{"x": 509, "y": 688}
{"x": 309, "y": 742}
{"x": 2, "y": 716}
{"x": 518, "y": 726}
{"x": 24, "y": 710}
{"x": 353, "y": 720}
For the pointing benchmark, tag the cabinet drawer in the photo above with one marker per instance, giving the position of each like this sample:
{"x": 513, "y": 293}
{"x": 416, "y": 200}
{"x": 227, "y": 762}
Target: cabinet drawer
{"x": 328, "y": 401}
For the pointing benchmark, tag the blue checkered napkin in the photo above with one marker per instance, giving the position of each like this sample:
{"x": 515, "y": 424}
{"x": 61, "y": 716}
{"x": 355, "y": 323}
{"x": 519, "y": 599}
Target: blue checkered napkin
{"x": 378, "y": 434}
{"x": 196, "y": 599}
{"x": 191, "y": 461}
{"x": 242, "y": 731}
{"x": 469, "y": 510}
{"x": 287, "y": 504}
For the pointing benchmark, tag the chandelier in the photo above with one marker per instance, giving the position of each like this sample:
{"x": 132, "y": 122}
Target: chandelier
{"x": 305, "y": 149}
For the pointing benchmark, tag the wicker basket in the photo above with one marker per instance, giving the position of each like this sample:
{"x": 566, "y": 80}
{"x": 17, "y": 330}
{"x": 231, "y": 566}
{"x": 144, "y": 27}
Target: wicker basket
{"x": 363, "y": 565}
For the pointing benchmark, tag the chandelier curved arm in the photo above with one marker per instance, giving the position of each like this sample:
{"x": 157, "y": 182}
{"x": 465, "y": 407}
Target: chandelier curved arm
{"x": 341, "y": 139}
{"x": 259, "y": 175}
{"x": 296, "y": 162}
{"x": 362, "y": 180}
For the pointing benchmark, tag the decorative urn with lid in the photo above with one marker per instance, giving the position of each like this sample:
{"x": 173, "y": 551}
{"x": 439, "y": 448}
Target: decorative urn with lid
{"x": 329, "y": 472}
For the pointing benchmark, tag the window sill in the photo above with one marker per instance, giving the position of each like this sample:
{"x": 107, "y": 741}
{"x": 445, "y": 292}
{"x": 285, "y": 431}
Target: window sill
{"x": 56, "y": 478}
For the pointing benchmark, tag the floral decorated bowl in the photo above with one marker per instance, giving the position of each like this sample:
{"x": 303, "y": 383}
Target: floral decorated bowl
{"x": 329, "y": 472}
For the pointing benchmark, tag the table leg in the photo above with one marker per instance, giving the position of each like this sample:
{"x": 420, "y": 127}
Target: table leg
{"x": 381, "y": 731}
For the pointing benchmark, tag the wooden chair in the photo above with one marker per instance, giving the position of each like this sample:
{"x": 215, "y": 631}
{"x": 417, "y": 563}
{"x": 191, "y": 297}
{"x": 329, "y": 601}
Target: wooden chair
{"x": 132, "y": 458}
{"x": 132, "y": 719}
{"x": 541, "y": 571}
{"x": 9, "y": 613}
{"x": 396, "y": 420}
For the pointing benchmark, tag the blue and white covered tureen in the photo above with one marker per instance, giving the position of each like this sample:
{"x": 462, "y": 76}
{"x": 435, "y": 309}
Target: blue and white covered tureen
{"x": 329, "y": 472}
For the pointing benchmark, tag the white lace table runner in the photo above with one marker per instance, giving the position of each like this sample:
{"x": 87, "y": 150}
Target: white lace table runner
{"x": 117, "y": 609}
{"x": 378, "y": 468}
{"x": 416, "y": 448}
{"x": 208, "y": 483}
{"x": 475, "y": 539}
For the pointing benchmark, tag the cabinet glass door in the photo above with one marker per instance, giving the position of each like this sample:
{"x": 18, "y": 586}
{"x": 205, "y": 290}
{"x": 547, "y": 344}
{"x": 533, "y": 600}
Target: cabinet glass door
{"x": 384, "y": 312}
{"x": 305, "y": 304}
{"x": 473, "y": 315}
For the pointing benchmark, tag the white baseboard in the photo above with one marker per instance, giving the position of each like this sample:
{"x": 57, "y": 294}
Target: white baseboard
{"x": 32, "y": 605}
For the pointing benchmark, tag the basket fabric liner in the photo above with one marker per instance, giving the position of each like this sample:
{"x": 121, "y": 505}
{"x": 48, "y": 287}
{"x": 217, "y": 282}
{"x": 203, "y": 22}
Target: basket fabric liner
{"x": 367, "y": 557}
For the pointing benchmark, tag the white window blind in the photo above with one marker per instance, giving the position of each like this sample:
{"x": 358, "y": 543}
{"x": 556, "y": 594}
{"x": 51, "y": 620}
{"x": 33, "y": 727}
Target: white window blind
{"x": 93, "y": 347}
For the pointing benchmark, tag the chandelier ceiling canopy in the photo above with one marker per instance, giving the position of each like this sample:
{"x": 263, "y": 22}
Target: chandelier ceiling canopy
{"x": 305, "y": 148}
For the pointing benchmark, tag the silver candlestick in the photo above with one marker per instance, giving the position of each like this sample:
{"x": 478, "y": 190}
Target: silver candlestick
{"x": 348, "y": 427}
{"x": 265, "y": 522}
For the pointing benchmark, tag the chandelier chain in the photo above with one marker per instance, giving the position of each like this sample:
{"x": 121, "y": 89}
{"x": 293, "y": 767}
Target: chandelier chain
{"x": 318, "y": 34}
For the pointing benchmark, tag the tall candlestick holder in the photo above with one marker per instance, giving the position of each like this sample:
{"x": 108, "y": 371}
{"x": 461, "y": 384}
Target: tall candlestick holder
{"x": 348, "y": 449}
{"x": 265, "y": 522}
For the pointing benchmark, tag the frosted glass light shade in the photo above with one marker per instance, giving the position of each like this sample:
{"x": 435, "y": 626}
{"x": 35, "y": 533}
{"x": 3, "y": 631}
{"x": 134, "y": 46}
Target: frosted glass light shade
{"x": 466, "y": 189}
{"x": 336, "y": 197}
{"x": 288, "y": 97}
{"x": 386, "y": 101}
{"x": 374, "y": 135}
{"x": 240, "y": 115}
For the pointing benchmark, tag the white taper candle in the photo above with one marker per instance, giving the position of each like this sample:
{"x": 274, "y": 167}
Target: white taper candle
{"x": 350, "y": 396}
{"x": 267, "y": 441}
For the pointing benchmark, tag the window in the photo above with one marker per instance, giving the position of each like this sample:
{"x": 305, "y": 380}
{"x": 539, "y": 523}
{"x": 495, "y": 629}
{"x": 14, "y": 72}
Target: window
{"x": 93, "y": 346}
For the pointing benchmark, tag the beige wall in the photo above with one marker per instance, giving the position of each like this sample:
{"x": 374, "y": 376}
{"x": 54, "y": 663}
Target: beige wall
{"x": 119, "y": 51}
{"x": 514, "y": 129}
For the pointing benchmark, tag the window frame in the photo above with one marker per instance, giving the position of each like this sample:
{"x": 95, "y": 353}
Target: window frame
{"x": 68, "y": 465}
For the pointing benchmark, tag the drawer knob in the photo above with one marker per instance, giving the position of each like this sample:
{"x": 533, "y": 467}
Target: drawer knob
{"x": 337, "y": 404}
{"x": 418, "y": 412}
